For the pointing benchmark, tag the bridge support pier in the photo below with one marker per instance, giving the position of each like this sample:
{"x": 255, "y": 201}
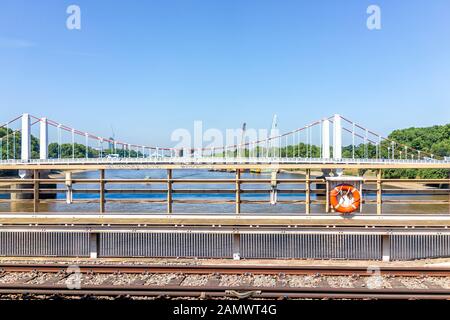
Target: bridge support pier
{"x": 68, "y": 183}
{"x": 273, "y": 185}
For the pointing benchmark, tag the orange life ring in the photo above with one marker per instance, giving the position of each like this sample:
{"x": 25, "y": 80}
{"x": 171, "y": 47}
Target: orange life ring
{"x": 345, "y": 198}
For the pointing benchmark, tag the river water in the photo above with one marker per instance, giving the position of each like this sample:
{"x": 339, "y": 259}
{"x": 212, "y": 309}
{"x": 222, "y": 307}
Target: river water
{"x": 264, "y": 207}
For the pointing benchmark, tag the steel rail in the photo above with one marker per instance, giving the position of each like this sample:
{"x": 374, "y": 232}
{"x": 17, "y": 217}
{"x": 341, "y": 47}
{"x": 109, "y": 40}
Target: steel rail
{"x": 229, "y": 292}
{"x": 217, "y": 291}
{"x": 229, "y": 269}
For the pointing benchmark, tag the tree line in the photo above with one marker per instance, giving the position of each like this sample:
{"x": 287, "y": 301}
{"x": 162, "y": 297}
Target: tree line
{"x": 433, "y": 140}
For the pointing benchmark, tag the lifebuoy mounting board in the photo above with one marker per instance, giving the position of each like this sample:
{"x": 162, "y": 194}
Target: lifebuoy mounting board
{"x": 344, "y": 193}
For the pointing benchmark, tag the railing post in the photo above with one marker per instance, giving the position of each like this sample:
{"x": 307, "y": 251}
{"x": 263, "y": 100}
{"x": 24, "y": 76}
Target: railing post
{"x": 238, "y": 191}
{"x": 236, "y": 246}
{"x": 36, "y": 191}
{"x": 93, "y": 245}
{"x": 386, "y": 248}
{"x": 379, "y": 192}
{"x": 308, "y": 191}
{"x": 102, "y": 190}
{"x": 327, "y": 196}
{"x": 169, "y": 191}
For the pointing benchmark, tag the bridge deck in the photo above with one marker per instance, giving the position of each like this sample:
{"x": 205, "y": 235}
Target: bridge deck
{"x": 220, "y": 163}
{"x": 321, "y": 220}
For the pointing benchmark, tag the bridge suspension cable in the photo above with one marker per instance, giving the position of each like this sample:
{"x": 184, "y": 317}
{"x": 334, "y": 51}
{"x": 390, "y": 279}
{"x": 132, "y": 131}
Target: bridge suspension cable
{"x": 301, "y": 144}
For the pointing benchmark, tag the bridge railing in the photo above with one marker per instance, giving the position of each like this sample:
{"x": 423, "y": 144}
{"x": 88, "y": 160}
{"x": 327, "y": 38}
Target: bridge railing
{"x": 181, "y": 160}
{"x": 301, "y": 191}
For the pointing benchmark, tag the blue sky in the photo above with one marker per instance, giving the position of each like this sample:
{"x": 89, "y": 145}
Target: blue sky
{"x": 149, "y": 67}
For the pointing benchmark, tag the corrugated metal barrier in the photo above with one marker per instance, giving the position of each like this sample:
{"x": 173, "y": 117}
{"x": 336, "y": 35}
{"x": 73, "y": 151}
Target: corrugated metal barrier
{"x": 41, "y": 244}
{"x": 409, "y": 247}
{"x": 311, "y": 246}
{"x": 165, "y": 245}
{"x": 202, "y": 245}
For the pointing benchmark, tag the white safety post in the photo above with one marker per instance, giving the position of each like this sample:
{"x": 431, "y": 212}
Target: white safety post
{"x": 326, "y": 139}
{"x": 337, "y": 137}
{"x": 26, "y": 141}
{"x": 43, "y": 139}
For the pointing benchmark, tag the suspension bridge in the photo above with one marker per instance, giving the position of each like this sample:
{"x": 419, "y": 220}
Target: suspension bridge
{"x": 333, "y": 142}
{"x": 37, "y": 207}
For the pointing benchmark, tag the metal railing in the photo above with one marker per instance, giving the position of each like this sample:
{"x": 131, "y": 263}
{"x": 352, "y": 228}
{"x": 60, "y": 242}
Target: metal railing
{"x": 303, "y": 192}
{"x": 219, "y": 160}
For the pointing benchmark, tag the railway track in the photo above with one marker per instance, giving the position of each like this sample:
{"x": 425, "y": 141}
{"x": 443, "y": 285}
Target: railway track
{"x": 223, "y": 281}
{"x": 229, "y": 269}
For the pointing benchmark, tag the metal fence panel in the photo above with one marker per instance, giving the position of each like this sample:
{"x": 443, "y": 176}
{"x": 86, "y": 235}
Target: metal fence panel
{"x": 165, "y": 245}
{"x": 38, "y": 244}
{"x": 311, "y": 246}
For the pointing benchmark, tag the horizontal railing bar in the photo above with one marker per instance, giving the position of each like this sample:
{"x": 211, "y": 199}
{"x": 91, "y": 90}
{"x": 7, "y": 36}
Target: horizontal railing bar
{"x": 231, "y": 180}
{"x": 199, "y": 201}
{"x": 386, "y": 192}
{"x": 209, "y": 218}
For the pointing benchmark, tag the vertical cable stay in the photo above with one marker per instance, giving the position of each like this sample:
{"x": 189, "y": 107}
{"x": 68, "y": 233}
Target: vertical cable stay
{"x": 59, "y": 140}
{"x": 321, "y": 139}
{"x": 310, "y": 142}
{"x": 353, "y": 140}
{"x": 87, "y": 145}
{"x": 378, "y": 148}
{"x": 7, "y": 141}
{"x": 393, "y": 150}
{"x": 73, "y": 143}
{"x": 14, "y": 144}
{"x": 307, "y": 141}
{"x": 366, "y": 146}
